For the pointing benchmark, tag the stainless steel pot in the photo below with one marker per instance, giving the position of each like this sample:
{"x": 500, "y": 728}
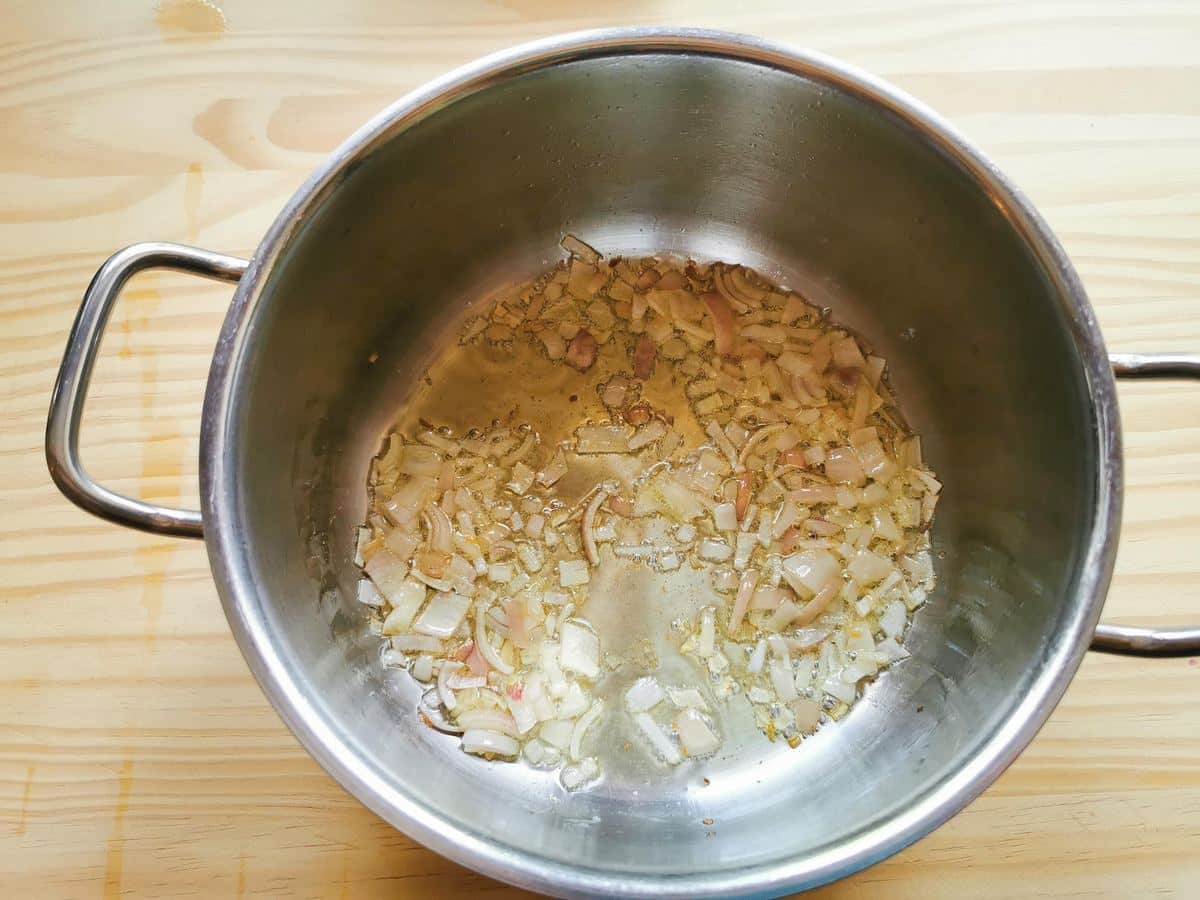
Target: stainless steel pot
{"x": 716, "y": 146}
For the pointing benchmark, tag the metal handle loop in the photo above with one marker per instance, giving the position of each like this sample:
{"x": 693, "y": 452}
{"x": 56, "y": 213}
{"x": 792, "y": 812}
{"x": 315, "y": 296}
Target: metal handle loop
{"x": 1128, "y": 639}
{"x": 75, "y": 374}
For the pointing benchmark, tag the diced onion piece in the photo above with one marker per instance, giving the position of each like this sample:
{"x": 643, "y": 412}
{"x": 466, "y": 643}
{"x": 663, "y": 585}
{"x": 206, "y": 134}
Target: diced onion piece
{"x": 393, "y": 658}
{"x": 780, "y": 648}
{"x": 894, "y": 618}
{"x": 534, "y": 526}
{"x": 793, "y": 309}
{"x": 573, "y": 572}
{"x": 387, "y": 571}
{"x": 868, "y": 567}
{"x": 530, "y": 558}
{"x": 755, "y": 439}
{"x": 417, "y": 643}
{"x": 605, "y": 533}
{"x": 647, "y": 434}
{"x": 643, "y": 695}
{"x": 738, "y": 279}
{"x": 438, "y": 584}
{"x": 645, "y": 352}
{"x": 489, "y": 719}
{"x": 580, "y": 649}
{"x": 789, "y": 514}
{"x": 368, "y": 595}
{"x": 859, "y": 640}
{"x": 782, "y": 617}
{"x": 783, "y": 680}
{"x": 919, "y": 566}
{"x": 501, "y": 573}
{"x": 725, "y": 517}
{"x": 660, "y": 742}
{"x": 839, "y": 690}
{"x": 713, "y": 430}
{"x": 535, "y": 752}
{"x": 442, "y": 616}
{"x": 482, "y": 742}
{"x": 804, "y": 638}
{"x": 664, "y": 494}
{"x": 885, "y": 526}
{"x": 742, "y": 601}
{"x": 554, "y": 470}
{"x": 581, "y": 351}
{"x": 557, "y": 733}
{"x": 724, "y": 326}
{"x": 402, "y": 543}
{"x": 634, "y": 551}
{"x": 808, "y": 573}
{"x": 813, "y": 493}
{"x": 725, "y": 581}
{"x": 743, "y": 548}
{"x": 745, "y": 491}
{"x": 447, "y": 446}
{"x": 586, "y": 721}
{"x": 687, "y": 698}
{"x": 556, "y": 347}
{"x": 766, "y": 597}
{"x": 461, "y": 681}
{"x": 714, "y": 550}
{"x": 420, "y": 460}
{"x": 765, "y": 334}
{"x": 931, "y": 484}
{"x": 485, "y": 648}
{"x": 445, "y": 694}
{"x": 890, "y": 650}
{"x": 441, "y": 531}
{"x": 842, "y": 466}
{"x": 591, "y": 439}
{"x": 694, "y": 734}
{"x": 588, "y": 525}
{"x": 574, "y": 702}
{"x": 757, "y": 657}
{"x": 846, "y": 354}
{"x": 817, "y": 604}
{"x": 521, "y": 479}
{"x": 576, "y": 247}
{"x": 406, "y": 603}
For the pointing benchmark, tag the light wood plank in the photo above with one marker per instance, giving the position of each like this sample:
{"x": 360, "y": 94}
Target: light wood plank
{"x": 137, "y": 756}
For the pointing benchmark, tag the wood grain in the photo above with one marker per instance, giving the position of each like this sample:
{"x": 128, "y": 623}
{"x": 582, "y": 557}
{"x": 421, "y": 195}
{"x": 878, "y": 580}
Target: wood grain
{"x": 137, "y": 756}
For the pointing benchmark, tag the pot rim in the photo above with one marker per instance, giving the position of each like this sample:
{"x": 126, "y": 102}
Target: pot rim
{"x": 524, "y": 867}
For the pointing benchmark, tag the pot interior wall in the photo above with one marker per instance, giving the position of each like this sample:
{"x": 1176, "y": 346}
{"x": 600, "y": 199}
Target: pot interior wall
{"x": 718, "y": 159}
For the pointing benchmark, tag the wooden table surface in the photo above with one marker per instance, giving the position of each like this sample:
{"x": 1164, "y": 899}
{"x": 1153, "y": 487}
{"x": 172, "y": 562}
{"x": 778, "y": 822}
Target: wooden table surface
{"x": 138, "y": 757}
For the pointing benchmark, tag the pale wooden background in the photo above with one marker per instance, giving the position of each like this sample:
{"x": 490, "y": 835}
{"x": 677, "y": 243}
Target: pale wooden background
{"x": 137, "y": 756}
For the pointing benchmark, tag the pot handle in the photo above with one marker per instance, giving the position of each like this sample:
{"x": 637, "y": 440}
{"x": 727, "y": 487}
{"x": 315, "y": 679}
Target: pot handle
{"x": 75, "y": 374}
{"x": 1128, "y": 639}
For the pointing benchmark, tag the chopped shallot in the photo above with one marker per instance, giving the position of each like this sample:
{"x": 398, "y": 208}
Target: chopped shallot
{"x": 724, "y": 325}
{"x": 581, "y": 352}
{"x": 588, "y": 524}
{"x": 489, "y": 743}
{"x": 694, "y": 733}
{"x": 644, "y": 695}
{"x": 784, "y": 471}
